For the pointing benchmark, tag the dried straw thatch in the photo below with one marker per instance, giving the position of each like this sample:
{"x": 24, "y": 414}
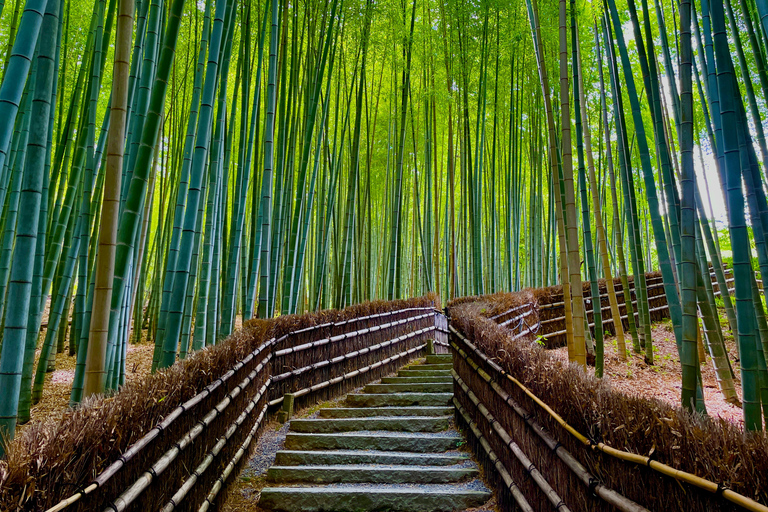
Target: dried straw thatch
{"x": 275, "y": 328}
{"x": 713, "y": 449}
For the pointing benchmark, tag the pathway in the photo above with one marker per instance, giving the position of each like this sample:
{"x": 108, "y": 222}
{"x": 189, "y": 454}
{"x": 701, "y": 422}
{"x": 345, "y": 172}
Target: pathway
{"x": 392, "y": 447}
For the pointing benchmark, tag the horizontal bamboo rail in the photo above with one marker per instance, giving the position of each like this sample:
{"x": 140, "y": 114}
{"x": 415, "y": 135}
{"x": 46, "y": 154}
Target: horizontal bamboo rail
{"x": 603, "y": 296}
{"x": 592, "y": 324}
{"x": 528, "y": 466}
{"x": 519, "y": 317}
{"x": 509, "y": 312}
{"x": 142, "y": 443}
{"x": 340, "y": 337}
{"x": 132, "y": 493}
{"x": 232, "y": 463}
{"x": 380, "y": 315}
{"x": 324, "y": 356}
{"x": 350, "y": 355}
{"x": 352, "y": 374}
{"x": 211, "y": 455}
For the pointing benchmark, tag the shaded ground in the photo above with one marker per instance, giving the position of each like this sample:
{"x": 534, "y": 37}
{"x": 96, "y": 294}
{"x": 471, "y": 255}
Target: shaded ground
{"x": 663, "y": 380}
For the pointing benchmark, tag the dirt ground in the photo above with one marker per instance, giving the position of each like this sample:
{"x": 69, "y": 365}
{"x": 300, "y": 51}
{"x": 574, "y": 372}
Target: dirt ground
{"x": 663, "y": 379}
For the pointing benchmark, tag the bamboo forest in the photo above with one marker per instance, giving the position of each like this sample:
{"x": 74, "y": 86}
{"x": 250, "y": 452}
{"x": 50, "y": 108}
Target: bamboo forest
{"x": 178, "y": 174}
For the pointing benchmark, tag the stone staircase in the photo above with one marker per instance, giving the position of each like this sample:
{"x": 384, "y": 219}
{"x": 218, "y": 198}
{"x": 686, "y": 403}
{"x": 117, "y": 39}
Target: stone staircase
{"x": 392, "y": 447}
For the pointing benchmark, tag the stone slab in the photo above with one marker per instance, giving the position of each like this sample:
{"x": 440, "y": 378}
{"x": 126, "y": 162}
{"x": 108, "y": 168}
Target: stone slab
{"x": 411, "y": 442}
{"x": 341, "y": 499}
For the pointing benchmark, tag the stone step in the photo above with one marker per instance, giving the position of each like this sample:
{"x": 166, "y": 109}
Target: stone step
{"x": 353, "y": 498}
{"x": 387, "y": 441}
{"x": 374, "y": 474}
{"x": 412, "y": 380}
{"x": 368, "y": 412}
{"x": 399, "y": 399}
{"x": 395, "y": 424}
{"x": 440, "y": 366}
{"x": 424, "y": 373}
{"x": 439, "y": 387}
{"x": 313, "y": 457}
{"x": 440, "y": 359}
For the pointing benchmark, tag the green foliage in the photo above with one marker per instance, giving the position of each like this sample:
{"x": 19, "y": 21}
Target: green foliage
{"x": 285, "y": 157}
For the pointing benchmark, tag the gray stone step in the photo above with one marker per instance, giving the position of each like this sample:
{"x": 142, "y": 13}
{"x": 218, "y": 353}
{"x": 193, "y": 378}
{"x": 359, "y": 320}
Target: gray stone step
{"x": 375, "y": 474}
{"x": 399, "y": 399}
{"x": 396, "y": 424}
{"x": 368, "y": 412}
{"x": 439, "y": 387}
{"x": 412, "y": 380}
{"x": 440, "y": 359}
{"x": 364, "y": 497}
{"x": 313, "y": 457}
{"x": 400, "y": 442}
{"x": 424, "y": 373}
{"x": 441, "y": 366}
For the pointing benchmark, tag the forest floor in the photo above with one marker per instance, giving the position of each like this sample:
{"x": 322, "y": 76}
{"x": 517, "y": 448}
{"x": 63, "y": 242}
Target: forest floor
{"x": 663, "y": 379}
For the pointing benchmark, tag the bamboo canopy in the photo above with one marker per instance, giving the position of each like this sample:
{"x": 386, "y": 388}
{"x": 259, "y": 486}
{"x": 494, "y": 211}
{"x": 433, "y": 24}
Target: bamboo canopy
{"x": 171, "y": 169}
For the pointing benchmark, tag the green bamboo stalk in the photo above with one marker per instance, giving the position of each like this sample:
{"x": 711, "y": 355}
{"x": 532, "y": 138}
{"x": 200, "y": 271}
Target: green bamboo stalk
{"x": 586, "y": 221}
{"x": 129, "y": 221}
{"x": 742, "y": 267}
{"x": 688, "y": 272}
{"x": 571, "y": 222}
{"x": 22, "y": 265}
{"x": 17, "y": 68}
{"x": 266, "y": 186}
{"x": 599, "y": 226}
{"x": 394, "y": 283}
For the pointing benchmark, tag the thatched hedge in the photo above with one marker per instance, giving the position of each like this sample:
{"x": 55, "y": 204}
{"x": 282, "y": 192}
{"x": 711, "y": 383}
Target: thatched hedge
{"x": 53, "y": 460}
{"x": 710, "y": 448}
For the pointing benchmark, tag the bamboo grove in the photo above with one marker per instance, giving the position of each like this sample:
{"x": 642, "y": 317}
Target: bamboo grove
{"x": 168, "y": 168}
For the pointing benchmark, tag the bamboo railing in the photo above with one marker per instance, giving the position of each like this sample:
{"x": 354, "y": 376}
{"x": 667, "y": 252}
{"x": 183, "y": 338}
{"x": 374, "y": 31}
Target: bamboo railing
{"x": 532, "y": 456}
{"x": 185, "y": 461}
{"x": 552, "y": 314}
{"x": 552, "y": 322}
{"x": 504, "y": 449}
